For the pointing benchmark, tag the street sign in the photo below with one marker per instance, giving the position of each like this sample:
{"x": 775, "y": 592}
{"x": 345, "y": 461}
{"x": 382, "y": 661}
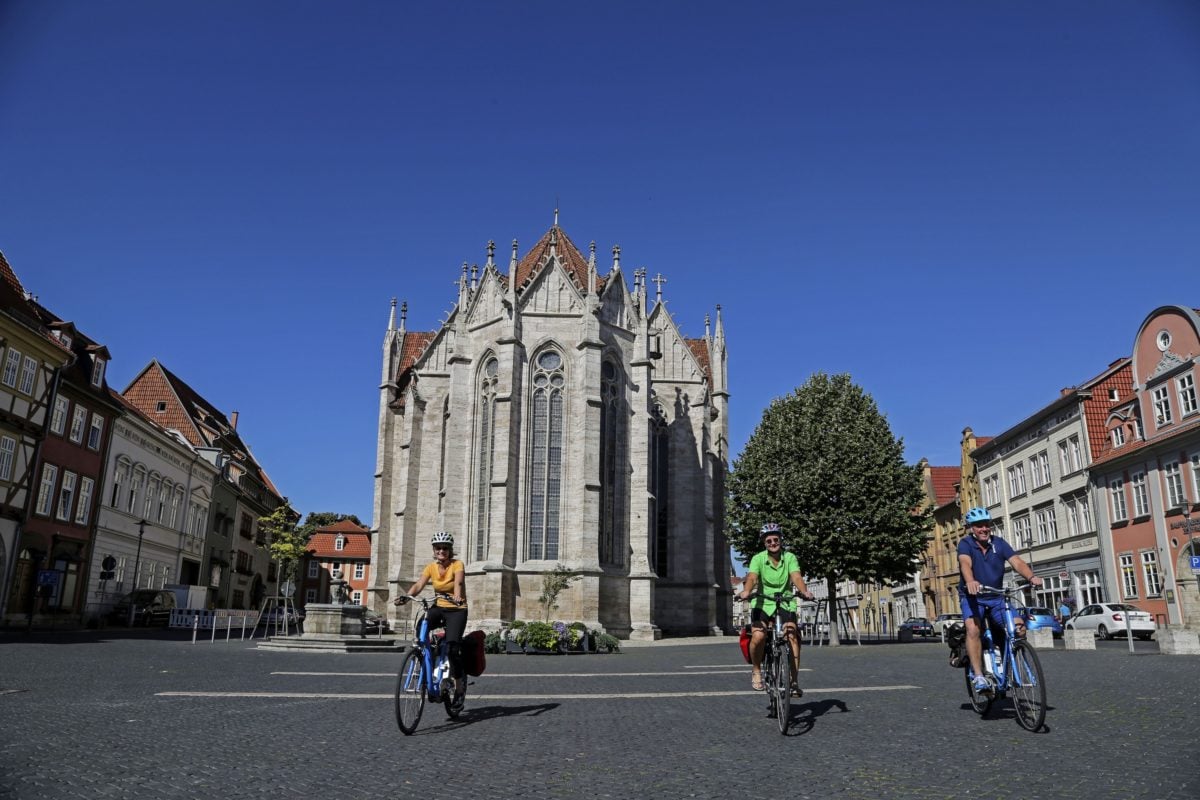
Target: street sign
{"x": 287, "y": 589}
{"x": 47, "y": 577}
{"x": 1064, "y": 574}
{"x": 1195, "y": 565}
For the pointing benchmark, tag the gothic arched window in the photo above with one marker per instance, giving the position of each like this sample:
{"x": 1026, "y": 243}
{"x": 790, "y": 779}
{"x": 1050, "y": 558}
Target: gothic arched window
{"x": 614, "y": 429}
{"x": 485, "y": 448}
{"x": 545, "y": 457}
{"x": 660, "y": 483}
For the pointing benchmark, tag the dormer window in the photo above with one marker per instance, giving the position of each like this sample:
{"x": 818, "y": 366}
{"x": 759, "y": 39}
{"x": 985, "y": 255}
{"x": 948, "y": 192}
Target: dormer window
{"x": 1114, "y": 395}
{"x": 64, "y": 338}
{"x": 98, "y": 365}
{"x": 339, "y": 544}
{"x": 160, "y": 406}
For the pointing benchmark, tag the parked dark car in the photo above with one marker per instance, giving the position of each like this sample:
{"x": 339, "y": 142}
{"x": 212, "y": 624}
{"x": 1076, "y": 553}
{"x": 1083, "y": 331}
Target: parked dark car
{"x": 1038, "y": 617}
{"x": 918, "y": 625}
{"x": 150, "y": 607}
{"x": 374, "y": 622}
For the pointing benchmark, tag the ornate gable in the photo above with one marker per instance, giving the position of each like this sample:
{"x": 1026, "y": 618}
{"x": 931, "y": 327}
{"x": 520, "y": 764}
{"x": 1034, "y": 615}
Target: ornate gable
{"x": 552, "y": 291}
{"x": 487, "y": 304}
{"x": 678, "y": 362}
{"x": 616, "y": 305}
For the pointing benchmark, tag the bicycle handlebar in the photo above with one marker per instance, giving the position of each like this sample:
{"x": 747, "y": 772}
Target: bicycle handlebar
{"x": 425, "y": 602}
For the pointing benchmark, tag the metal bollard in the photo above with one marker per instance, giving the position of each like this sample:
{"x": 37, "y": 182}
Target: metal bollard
{"x": 195, "y": 626}
{"x": 228, "y": 627}
{"x": 243, "y": 628}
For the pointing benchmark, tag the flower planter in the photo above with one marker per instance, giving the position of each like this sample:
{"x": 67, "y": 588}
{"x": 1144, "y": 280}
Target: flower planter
{"x": 541, "y": 651}
{"x": 512, "y": 647}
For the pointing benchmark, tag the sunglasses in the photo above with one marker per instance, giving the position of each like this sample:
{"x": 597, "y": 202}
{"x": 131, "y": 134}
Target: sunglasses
{"x": 441, "y": 548}
{"x": 773, "y": 540}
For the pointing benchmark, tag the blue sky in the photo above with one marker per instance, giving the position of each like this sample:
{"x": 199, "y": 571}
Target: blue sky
{"x": 965, "y": 205}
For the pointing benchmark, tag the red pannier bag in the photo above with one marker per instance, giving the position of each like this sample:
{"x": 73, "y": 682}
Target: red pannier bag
{"x": 474, "y": 659}
{"x": 744, "y": 643}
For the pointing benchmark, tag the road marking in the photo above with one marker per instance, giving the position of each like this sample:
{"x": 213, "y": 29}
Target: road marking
{"x": 474, "y": 697}
{"x": 529, "y": 674}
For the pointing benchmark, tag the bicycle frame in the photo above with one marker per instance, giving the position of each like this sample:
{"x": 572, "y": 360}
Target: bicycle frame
{"x": 433, "y": 654}
{"x": 1002, "y": 669}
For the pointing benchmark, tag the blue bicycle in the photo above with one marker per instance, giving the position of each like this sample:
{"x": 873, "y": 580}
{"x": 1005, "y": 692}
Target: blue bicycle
{"x": 1014, "y": 671}
{"x": 425, "y": 674}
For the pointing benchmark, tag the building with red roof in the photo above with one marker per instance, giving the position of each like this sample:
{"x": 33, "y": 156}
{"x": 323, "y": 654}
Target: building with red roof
{"x": 343, "y": 548}
{"x": 558, "y": 416}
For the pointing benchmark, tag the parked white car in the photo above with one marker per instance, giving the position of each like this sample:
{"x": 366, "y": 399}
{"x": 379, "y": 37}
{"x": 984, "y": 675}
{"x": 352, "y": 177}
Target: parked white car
{"x": 944, "y": 621}
{"x": 1108, "y": 620}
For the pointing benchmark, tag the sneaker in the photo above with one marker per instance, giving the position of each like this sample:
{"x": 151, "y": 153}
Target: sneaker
{"x": 981, "y": 684}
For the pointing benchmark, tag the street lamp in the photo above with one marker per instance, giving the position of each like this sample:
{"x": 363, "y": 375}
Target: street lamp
{"x": 137, "y": 563}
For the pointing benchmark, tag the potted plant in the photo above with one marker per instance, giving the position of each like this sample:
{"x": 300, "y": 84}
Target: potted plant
{"x": 540, "y": 638}
{"x": 513, "y": 637}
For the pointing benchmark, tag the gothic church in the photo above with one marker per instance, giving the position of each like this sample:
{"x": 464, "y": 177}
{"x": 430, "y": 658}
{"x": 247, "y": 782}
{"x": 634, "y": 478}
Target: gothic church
{"x": 558, "y": 417}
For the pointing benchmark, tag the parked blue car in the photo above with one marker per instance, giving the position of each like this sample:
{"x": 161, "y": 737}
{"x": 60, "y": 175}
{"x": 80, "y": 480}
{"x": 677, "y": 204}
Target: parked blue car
{"x": 1037, "y": 617}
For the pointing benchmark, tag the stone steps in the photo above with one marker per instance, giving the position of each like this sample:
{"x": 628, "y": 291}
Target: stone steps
{"x": 333, "y": 644}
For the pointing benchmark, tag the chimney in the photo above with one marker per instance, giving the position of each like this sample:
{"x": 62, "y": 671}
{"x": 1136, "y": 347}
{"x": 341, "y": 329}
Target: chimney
{"x": 233, "y": 415}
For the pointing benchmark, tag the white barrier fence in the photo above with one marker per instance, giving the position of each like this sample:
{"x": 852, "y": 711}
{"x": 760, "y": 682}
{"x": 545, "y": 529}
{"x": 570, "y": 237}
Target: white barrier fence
{"x": 214, "y": 620}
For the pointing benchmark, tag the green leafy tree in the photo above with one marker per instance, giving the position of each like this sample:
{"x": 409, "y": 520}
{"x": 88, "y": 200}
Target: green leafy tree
{"x": 554, "y": 583}
{"x": 824, "y": 464}
{"x": 287, "y": 541}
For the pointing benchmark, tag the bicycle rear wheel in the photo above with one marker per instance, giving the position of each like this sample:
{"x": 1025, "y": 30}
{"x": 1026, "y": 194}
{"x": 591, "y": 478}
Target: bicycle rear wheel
{"x": 454, "y": 703}
{"x": 410, "y": 692}
{"x": 979, "y": 702}
{"x": 783, "y": 689}
{"x": 1027, "y": 687}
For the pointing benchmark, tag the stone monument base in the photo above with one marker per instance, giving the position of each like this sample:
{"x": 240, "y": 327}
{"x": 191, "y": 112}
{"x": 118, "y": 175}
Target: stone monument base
{"x": 334, "y": 628}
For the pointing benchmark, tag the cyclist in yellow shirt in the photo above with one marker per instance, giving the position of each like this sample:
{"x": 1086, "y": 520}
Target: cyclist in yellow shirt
{"x": 445, "y": 572}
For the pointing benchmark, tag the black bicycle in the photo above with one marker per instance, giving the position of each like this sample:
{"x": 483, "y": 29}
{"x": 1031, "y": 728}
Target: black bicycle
{"x": 425, "y": 673}
{"x": 777, "y": 664}
{"x": 1012, "y": 671}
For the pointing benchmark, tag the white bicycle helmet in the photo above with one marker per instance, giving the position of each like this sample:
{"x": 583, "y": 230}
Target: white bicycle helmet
{"x": 441, "y": 537}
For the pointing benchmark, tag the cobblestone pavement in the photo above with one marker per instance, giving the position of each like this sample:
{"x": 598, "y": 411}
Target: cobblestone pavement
{"x": 136, "y": 715}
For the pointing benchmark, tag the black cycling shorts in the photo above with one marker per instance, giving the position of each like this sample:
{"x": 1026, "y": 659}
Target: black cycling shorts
{"x": 757, "y": 615}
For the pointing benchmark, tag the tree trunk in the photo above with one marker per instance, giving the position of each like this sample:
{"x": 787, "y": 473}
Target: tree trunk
{"x": 831, "y": 584}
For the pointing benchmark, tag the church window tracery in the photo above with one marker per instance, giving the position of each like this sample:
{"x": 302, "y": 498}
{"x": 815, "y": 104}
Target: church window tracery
{"x": 613, "y": 456}
{"x": 545, "y": 462}
{"x": 660, "y": 481}
{"x": 485, "y": 448}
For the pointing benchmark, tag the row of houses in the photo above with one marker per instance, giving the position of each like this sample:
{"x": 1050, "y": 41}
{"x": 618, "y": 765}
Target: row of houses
{"x": 103, "y": 492}
{"x": 1098, "y": 490}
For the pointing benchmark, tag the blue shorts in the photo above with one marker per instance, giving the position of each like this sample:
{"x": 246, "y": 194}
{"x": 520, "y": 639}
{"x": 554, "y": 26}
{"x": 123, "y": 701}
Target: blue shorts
{"x": 974, "y": 606}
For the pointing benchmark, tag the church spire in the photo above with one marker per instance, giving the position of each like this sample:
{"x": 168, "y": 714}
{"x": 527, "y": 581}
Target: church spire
{"x": 491, "y": 251}
{"x": 592, "y": 268}
{"x": 512, "y": 277}
{"x": 392, "y": 317}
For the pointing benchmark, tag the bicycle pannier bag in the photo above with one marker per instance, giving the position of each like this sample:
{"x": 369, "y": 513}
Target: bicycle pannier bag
{"x": 474, "y": 659}
{"x": 956, "y": 639}
{"x": 744, "y": 643}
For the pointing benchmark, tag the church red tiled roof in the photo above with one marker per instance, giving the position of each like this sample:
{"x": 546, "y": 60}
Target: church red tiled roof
{"x": 573, "y": 260}
{"x": 699, "y": 349}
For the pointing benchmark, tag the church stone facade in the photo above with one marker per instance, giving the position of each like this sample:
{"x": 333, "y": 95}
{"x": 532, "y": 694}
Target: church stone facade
{"x": 558, "y": 416}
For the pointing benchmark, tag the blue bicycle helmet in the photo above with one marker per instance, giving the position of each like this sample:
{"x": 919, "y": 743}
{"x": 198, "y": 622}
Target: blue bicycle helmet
{"x": 976, "y": 515}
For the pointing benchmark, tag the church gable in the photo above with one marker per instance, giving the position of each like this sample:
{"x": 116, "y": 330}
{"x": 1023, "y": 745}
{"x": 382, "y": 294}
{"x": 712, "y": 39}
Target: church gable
{"x": 616, "y": 306}
{"x": 678, "y": 362}
{"x": 552, "y": 292}
{"x": 487, "y": 304}
{"x": 436, "y": 357}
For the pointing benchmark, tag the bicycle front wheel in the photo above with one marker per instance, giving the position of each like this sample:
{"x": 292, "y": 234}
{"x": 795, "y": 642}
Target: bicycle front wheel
{"x": 1027, "y": 687}
{"x": 783, "y": 688}
{"x": 410, "y": 692}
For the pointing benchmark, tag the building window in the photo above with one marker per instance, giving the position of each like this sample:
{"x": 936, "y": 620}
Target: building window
{"x": 485, "y": 448}
{"x": 660, "y": 489}
{"x": 1162, "y": 406}
{"x": 1070, "y": 455}
{"x": 46, "y": 490}
{"x": 1016, "y": 480}
{"x": 359, "y": 570}
{"x": 95, "y": 432}
{"x": 78, "y": 421}
{"x": 339, "y": 543}
{"x": 1186, "y": 386}
{"x": 1195, "y": 474}
{"x": 8, "y": 451}
{"x": 1151, "y": 574}
{"x": 245, "y": 526}
{"x": 12, "y": 365}
{"x": 614, "y": 418}
{"x": 120, "y": 478}
{"x": 310, "y": 595}
{"x": 58, "y": 420}
{"x": 84, "y": 513}
{"x": 545, "y": 470}
{"x": 1128, "y": 577}
{"x": 176, "y": 500}
{"x": 28, "y": 370}
{"x": 1118, "y": 436}
{"x": 1174, "y": 480}
{"x": 357, "y": 598}
{"x": 1047, "y": 525}
{"x": 314, "y": 568}
{"x": 1039, "y": 469}
{"x": 98, "y": 364}
{"x": 66, "y": 495}
{"x": 1141, "y": 499}
{"x": 1022, "y": 530}
{"x": 148, "y": 499}
{"x": 1116, "y": 489}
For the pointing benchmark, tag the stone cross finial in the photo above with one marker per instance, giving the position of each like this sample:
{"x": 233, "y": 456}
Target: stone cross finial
{"x": 491, "y": 251}
{"x": 659, "y": 280}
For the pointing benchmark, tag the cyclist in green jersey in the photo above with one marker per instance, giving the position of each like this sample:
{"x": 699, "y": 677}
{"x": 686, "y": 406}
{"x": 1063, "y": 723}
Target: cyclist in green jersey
{"x": 773, "y": 569}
